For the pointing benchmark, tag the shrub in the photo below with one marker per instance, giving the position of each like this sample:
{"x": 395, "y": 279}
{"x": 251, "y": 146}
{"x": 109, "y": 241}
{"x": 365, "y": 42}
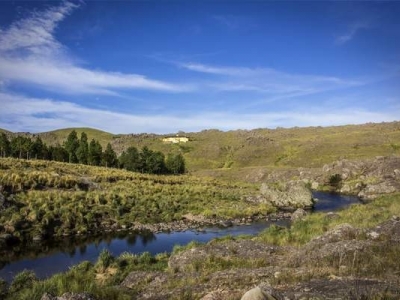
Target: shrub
{"x": 22, "y": 280}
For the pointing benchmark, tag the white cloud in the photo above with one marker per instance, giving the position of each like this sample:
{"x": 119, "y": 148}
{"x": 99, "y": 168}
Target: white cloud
{"x": 267, "y": 80}
{"x": 35, "y": 34}
{"x": 351, "y": 33}
{"x": 30, "y": 53}
{"x": 72, "y": 79}
{"x": 37, "y": 115}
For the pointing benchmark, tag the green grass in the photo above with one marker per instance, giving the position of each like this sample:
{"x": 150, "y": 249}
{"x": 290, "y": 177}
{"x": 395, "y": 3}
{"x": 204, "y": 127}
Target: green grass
{"x": 51, "y": 198}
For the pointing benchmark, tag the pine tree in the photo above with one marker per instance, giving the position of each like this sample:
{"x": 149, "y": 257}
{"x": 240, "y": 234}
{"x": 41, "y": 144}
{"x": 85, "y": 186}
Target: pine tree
{"x": 5, "y": 147}
{"x": 58, "y": 153}
{"x": 38, "y": 149}
{"x": 21, "y": 147}
{"x": 95, "y": 153}
{"x": 109, "y": 157}
{"x": 82, "y": 152}
{"x": 71, "y": 145}
{"x": 130, "y": 160}
{"x": 175, "y": 164}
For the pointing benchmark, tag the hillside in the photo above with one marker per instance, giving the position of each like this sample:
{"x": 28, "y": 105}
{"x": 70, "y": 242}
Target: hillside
{"x": 283, "y": 148}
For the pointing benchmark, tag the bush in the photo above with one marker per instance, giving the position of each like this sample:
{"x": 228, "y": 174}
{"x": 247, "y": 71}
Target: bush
{"x": 335, "y": 180}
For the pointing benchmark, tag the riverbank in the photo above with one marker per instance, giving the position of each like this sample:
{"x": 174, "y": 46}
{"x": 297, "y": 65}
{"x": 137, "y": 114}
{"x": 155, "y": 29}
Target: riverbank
{"x": 349, "y": 254}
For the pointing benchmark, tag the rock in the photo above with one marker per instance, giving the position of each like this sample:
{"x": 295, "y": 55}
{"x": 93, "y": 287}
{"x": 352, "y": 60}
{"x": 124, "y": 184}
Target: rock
{"x": 331, "y": 215}
{"x": 389, "y": 230}
{"x": 47, "y": 296}
{"x": 256, "y": 294}
{"x": 292, "y": 194}
{"x": 314, "y": 185}
{"x": 69, "y": 296}
{"x": 345, "y": 189}
{"x": 299, "y": 214}
{"x": 138, "y": 277}
{"x": 372, "y": 191}
{"x": 338, "y": 233}
{"x": 226, "y": 223}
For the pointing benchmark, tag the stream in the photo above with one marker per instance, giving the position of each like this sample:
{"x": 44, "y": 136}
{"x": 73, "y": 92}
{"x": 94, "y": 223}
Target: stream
{"x": 52, "y": 258}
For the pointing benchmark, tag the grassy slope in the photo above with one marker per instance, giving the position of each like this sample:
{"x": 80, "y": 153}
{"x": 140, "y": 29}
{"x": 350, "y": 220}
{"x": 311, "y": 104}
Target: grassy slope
{"x": 58, "y": 136}
{"x": 59, "y": 198}
{"x": 293, "y": 147}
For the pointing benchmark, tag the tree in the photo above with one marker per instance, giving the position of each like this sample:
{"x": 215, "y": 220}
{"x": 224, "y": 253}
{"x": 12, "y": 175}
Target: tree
{"x": 109, "y": 157}
{"x": 95, "y": 153}
{"x": 58, "y": 153}
{"x": 130, "y": 160}
{"x": 175, "y": 164}
{"x": 5, "y": 147}
{"x": 21, "y": 147}
{"x": 82, "y": 152}
{"x": 39, "y": 149}
{"x": 71, "y": 145}
{"x": 152, "y": 162}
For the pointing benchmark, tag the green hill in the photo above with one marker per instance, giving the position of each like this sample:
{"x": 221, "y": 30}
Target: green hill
{"x": 274, "y": 148}
{"x": 60, "y": 135}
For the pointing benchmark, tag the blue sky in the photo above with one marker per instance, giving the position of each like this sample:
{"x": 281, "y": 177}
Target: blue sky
{"x": 169, "y": 66}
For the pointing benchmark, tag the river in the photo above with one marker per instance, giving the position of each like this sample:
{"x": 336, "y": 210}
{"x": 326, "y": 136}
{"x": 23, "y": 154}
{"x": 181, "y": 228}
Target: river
{"x": 51, "y": 258}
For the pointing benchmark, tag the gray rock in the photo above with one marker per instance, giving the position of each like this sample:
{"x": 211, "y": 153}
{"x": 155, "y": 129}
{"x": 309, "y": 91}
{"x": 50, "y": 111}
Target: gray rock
{"x": 69, "y": 296}
{"x": 299, "y": 214}
{"x": 372, "y": 191}
{"x": 292, "y": 194}
{"x": 255, "y": 294}
{"x": 262, "y": 292}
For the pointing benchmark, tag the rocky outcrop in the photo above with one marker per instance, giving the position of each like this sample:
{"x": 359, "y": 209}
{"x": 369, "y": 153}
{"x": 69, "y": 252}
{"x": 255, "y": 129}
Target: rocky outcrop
{"x": 368, "y": 178}
{"x": 137, "y": 278}
{"x": 290, "y": 195}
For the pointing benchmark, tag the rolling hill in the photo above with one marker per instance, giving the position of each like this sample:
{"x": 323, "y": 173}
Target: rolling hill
{"x": 273, "y": 148}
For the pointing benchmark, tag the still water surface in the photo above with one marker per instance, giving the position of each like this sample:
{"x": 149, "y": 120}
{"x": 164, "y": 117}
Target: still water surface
{"x": 60, "y": 257}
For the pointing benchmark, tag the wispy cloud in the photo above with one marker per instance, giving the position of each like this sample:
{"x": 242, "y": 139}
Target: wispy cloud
{"x": 37, "y": 115}
{"x": 267, "y": 80}
{"x": 30, "y": 53}
{"x": 351, "y": 32}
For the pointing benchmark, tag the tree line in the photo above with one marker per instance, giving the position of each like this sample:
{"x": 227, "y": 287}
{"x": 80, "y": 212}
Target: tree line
{"x": 80, "y": 150}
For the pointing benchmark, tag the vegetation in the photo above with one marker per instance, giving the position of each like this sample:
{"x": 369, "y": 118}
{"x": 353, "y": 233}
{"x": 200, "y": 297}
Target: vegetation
{"x": 102, "y": 278}
{"x": 53, "y": 199}
{"x": 233, "y": 153}
{"x": 76, "y": 150}
{"x": 99, "y": 279}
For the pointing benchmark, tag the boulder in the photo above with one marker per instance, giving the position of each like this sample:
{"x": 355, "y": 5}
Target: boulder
{"x": 293, "y": 194}
{"x": 262, "y": 292}
{"x": 299, "y": 214}
{"x": 372, "y": 191}
{"x": 255, "y": 294}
